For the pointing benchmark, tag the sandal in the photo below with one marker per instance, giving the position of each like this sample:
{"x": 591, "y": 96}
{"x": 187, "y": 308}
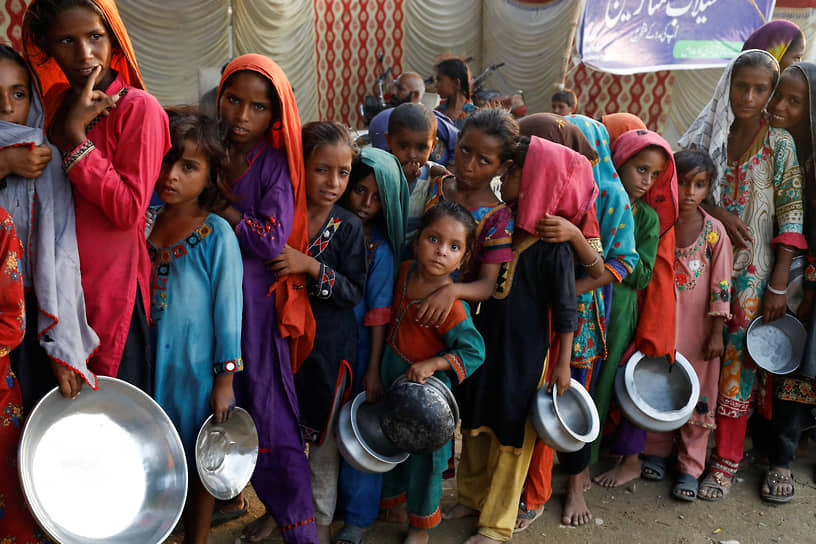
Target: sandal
{"x": 349, "y": 534}
{"x": 773, "y": 479}
{"x": 717, "y": 481}
{"x": 219, "y": 517}
{"x": 685, "y": 482}
{"x": 527, "y": 515}
{"x": 653, "y": 468}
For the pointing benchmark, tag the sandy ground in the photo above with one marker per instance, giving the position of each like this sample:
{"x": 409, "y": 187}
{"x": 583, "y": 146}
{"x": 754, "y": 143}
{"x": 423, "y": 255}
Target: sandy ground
{"x": 643, "y": 512}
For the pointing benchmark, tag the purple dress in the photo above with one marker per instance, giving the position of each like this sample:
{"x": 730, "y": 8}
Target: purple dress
{"x": 266, "y": 387}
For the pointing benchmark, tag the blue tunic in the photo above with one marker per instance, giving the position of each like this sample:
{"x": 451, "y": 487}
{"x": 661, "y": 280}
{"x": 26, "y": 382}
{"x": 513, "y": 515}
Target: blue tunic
{"x": 195, "y": 315}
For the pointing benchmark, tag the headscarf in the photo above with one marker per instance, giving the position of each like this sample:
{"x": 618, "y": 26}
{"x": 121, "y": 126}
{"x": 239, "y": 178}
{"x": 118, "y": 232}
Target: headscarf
{"x": 655, "y": 335}
{"x": 394, "y": 196}
{"x": 554, "y": 180}
{"x": 709, "y": 132}
{"x": 808, "y": 164}
{"x": 556, "y": 128}
{"x": 295, "y": 317}
{"x": 774, "y": 37}
{"x": 52, "y": 81}
{"x": 618, "y": 123}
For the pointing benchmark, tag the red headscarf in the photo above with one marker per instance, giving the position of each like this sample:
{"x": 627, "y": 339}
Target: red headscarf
{"x": 292, "y": 302}
{"x": 618, "y": 123}
{"x": 52, "y": 81}
{"x": 655, "y": 335}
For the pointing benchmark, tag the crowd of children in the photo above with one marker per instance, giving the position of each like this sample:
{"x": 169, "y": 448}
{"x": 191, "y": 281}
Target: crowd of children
{"x": 285, "y": 270}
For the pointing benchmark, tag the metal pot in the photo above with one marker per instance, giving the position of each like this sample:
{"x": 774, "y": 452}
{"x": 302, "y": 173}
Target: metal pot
{"x": 107, "y": 466}
{"x": 777, "y": 346}
{"x": 226, "y": 454}
{"x": 360, "y": 439}
{"x": 796, "y": 290}
{"x": 655, "y": 394}
{"x": 567, "y": 422}
{"x": 419, "y": 418}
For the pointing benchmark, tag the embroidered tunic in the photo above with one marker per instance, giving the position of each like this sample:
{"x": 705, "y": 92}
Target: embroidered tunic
{"x": 195, "y": 314}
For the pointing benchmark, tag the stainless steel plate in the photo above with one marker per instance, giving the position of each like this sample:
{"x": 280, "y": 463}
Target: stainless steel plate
{"x": 777, "y": 346}
{"x": 107, "y": 467}
{"x": 226, "y": 454}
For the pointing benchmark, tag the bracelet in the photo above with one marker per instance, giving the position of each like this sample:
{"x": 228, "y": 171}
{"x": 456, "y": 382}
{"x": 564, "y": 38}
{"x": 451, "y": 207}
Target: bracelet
{"x": 593, "y": 263}
{"x": 788, "y": 249}
{"x": 777, "y": 291}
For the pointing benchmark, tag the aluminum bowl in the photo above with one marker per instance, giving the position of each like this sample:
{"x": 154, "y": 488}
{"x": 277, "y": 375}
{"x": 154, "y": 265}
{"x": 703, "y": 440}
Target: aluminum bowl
{"x": 360, "y": 439}
{"x": 656, "y": 395}
{"x": 107, "y": 467}
{"x": 226, "y": 454}
{"x": 796, "y": 290}
{"x": 419, "y": 418}
{"x": 567, "y": 422}
{"x": 777, "y": 346}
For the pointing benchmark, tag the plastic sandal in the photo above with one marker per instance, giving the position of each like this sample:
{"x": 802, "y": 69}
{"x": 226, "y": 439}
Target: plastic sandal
{"x": 653, "y": 468}
{"x": 527, "y": 515}
{"x": 715, "y": 480}
{"x": 349, "y": 534}
{"x": 773, "y": 479}
{"x": 219, "y": 517}
{"x": 685, "y": 482}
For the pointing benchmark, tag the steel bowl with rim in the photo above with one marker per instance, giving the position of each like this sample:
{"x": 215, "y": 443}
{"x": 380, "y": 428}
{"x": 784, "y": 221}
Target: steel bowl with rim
{"x": 565, "y": 422}
{"x": 106, "y": 467}
{"x": 226, "y": 454}
{"x": 657, "y": 395}
{"x": 777, "y": 346}
{"x": 360, "y": 438}
{"x": 796, "y": 277}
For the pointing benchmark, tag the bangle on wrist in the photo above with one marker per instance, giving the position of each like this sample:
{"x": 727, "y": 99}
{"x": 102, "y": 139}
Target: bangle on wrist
{"x": 593, "y": 263}
{"x": 777, "y": 291}
{"x": 788, "y": 249}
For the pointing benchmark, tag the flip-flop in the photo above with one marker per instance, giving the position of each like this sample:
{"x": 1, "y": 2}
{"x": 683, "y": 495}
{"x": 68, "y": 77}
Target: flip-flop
{"x": 685, "y": 482}
{"x": 348, "y": 533}
{"x": 219, "y": 517}
{"x": 530, "y": 515}
{"x": 773, "y": 479}
{"x": 653, "y": 467}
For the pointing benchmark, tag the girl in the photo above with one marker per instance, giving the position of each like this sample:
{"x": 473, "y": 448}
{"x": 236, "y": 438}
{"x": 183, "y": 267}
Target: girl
{"x": 113, "y": 135}
{"x": 453, "y": 86}
{"x": 265, "y": 173}
{"x": 497, "y": 439}
{"x": 791, "y": 108}
{"x": 783, "y": 39}
{"x": 335, "y": 266}
{"x": 378, "y": 194}
{"x": 195, "y": 313}
{"x": 702, "y": 271}
{"x": 618, "y": 123}
{"x": 38, "y": 196}
{"x": 450, "y": 351}
{"x": 759, "y": 201}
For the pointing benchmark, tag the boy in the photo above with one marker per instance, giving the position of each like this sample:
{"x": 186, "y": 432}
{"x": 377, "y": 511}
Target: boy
{"x": 564, "y": 102}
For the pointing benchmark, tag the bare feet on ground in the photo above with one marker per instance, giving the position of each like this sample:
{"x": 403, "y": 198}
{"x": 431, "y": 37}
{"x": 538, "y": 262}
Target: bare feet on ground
{"x": 576, "y": 512}
{"x": 480, "y": 539}
{"x": 417, "y": 536}
{"x": 625, "y": 471}
{"x": 260, "y": 529}
{"x": 459, "y": 511}
{"x": 398, "y": 514}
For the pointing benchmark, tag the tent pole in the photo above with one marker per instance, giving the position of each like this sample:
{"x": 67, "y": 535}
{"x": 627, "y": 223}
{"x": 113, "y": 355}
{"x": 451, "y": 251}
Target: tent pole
{"x": 576, "y": 18}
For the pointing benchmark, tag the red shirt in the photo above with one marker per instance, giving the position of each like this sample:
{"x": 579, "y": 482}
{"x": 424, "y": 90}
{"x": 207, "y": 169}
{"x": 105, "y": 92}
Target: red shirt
{"x": 113, "y": 184}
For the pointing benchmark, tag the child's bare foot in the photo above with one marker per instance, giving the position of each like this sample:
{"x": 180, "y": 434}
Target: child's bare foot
{"x": 576, "y": 512}
{"x": 625, "y": 471}
{"x": 480, "y": 539}
{"x": 417, "y": 536}
{"x": 324, "y": 534}
{"x": 259, "y": 529}
{"x": 459, "y": 511}
{"x": 398, "y": 514}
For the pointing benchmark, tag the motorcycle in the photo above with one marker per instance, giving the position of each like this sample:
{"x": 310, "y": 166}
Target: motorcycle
{"x": 374, "y": 104}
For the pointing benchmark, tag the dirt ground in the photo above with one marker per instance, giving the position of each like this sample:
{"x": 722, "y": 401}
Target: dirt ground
{"x": 643, "y": 512}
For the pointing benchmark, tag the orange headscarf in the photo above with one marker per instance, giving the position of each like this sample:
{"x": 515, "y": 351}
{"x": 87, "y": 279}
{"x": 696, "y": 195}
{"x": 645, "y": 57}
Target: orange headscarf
{"x": 618, "y": 123}
{"x": 52, "y": 81}
{"x": 292, "y": 301}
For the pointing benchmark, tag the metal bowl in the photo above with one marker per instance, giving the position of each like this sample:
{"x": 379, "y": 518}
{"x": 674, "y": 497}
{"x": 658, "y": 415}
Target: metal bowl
{"x": 777, "y": 346}
{"x": 796, "y": 290}
{"x": 419, "y": 418}
{"x": 226, "y": 454}
{"x": 360, "y": 439}
{"x": 655, "y": 394}
{"x": 107, "y": 467}
{"x": 567, "y": 422}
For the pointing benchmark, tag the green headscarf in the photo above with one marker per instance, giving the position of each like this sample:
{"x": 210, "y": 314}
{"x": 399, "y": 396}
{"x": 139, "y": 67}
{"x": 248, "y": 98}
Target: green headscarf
{"x": 394, "y": 196}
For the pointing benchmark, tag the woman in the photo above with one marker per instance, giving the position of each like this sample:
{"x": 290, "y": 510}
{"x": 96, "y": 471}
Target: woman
{"x": 783, "y": 39}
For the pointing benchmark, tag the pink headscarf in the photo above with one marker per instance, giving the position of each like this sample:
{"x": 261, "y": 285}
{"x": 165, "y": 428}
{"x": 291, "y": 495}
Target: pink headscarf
{"x": 554, "y": 180}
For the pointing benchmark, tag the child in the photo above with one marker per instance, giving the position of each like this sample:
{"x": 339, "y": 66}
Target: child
{"x": 113, "y": 135}
{"x": 564, "y": 102}
{"x": 335, "y": 266}
{"x": 497, "y": 438}
{"x": 451, "y": 350}
{"x": 411, "y": 136}
{"x": 38, "y": 197}
{"x": 453, "y": 84}
{"x": 265, "y": 173}
{"x": 195, "y": 313}
{"x": 643, "y": 305}
{"x": 759, "y": 202}
{"x": 378, "y": 195}
{"x": 702, "y": 272}
{"x": 484, "y": 151}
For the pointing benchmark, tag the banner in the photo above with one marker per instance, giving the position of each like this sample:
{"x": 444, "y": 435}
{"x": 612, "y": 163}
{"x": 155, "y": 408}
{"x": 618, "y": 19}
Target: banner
{"x": 630, "y": 36}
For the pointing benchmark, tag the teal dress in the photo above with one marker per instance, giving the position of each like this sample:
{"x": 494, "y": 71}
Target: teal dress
{"x": 195, "y": 315}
